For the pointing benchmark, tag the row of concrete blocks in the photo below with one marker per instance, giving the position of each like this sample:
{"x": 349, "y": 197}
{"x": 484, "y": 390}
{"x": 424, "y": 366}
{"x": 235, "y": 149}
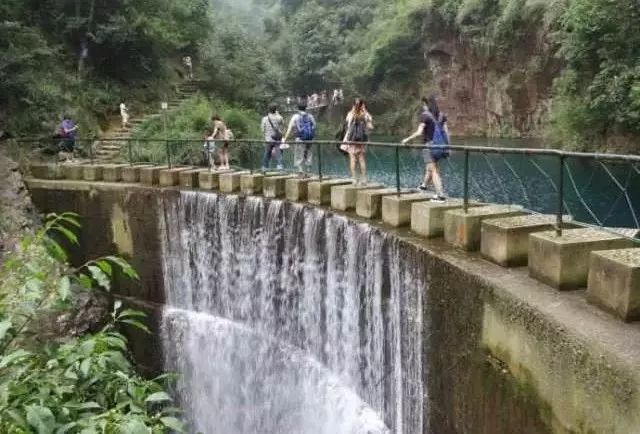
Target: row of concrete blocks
{"x": 607, "y": 264}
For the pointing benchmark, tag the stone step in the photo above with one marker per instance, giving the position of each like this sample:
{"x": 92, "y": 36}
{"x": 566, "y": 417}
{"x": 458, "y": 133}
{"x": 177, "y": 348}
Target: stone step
{"x": 396, "y": 209}
{"x": 343, "y": 197}
{"x": 463, "y": 229}
{"x": 427, "y": 218}
{"x": 319, "y": 192}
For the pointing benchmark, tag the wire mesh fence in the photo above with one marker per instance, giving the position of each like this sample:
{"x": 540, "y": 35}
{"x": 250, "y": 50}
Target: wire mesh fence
{"x": 602, "y": 190}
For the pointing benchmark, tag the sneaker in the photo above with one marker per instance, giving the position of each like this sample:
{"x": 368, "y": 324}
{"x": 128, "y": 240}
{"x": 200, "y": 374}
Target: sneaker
{"x": 423, "y": 187}
{"x": 438, "y": 198}
{"x": 280, "y": 167}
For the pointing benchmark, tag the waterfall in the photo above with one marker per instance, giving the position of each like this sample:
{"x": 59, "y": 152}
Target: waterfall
{"x": 283, "y": 318}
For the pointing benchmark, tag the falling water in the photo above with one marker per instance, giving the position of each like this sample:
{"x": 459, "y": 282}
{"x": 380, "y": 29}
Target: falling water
{"x": 283, "y": 318}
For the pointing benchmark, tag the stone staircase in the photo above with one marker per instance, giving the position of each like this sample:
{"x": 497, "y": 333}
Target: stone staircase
{"x": 109, "y": 148}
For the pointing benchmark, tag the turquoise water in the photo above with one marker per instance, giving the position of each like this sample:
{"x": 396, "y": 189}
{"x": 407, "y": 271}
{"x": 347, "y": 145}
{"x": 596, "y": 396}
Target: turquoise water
{"x": 591, "y": 191}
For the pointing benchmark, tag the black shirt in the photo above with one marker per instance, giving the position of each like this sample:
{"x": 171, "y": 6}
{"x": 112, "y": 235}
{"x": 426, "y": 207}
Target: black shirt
{"x": 427, "y": 119}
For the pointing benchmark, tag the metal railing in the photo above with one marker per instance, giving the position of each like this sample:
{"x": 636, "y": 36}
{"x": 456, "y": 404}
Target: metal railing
{"x": 595, "y": 189}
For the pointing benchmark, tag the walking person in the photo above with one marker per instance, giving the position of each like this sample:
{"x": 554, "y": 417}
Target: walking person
{"x": 188, "y": 66}
{"x": 221, "y": 133}
{"x": 435, "y": 133}
{"x": 358, "y": 122}
{"x": 210, "y": 149}
{"x": 272, "y": 127}
{"x": 68, "y": 132}
{"x": 303, "y": 125}
{"x": 124, "y": 115}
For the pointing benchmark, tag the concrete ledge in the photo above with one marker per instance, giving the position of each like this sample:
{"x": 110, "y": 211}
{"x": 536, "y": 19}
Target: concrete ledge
{"x": 73, "y": 172}
{"x": 210, "y": 179}
{"x": 369, "y": 202}
{"x": 505, "y": 241}
{"x": 150, "y": 175}
{"x": 171, "y": 177}
{"x": 614, "y": 282}
{"x": 230, "y": 181}
{"x": 320, "y": 191}
{"x": 47, "y": 171}
{"x": 191, "y": 178}
{"x": 253, "y": 183}
{"x": 396, "y": 210}
{"x": 463, "y": 230}
{"x": 296, "y": 189}
{"x": 427, "y": 218}
{"x": 112, "y": 172}
{"x": 275, "y": 186}
{"x": 344, "y": 197}
{"x": 563, "y": 262}
{"x": 131, "y": 174}
{"x": 92, "y": 172}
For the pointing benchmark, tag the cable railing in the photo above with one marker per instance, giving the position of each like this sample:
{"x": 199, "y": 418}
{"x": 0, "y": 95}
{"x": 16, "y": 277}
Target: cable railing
{"x": 590, "y": 189}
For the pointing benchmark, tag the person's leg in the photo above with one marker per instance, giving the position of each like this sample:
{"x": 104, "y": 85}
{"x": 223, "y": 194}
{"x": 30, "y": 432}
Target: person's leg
{"x": 308, "y": 157}
{"x": 352, "y": 167}
{"x": 427, "y": 175}
{"x": 268, "y": 148}
{"x": 363, "y": 167}
{"x": 298, "y": 156}
{"x": 437, "y": 179}
{"x": 278, "y": 156}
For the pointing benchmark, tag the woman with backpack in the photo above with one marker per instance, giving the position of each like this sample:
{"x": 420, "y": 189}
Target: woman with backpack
{"x": 359, "y": 122}
{"x": 435, "y": 133}
{"x": 220, "y": 133}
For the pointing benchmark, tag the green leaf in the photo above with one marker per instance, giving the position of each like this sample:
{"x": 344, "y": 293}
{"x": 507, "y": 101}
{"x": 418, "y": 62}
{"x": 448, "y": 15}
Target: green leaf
{"x": 55, "y": 250}
{"x": 13, "y": 358}
{"x": 172, "y": 423}
{"x": 126, "y": 268}
{"x": 69, "y": 235}
{"x": 134, "y": 426}
{"x": 65, "y": 428}
{"x": 100, "y": 277}
{"x": 41, "y": 418}
{"x": 85, "y": 281}
{"x": 64, "y": 288}
{"x": 5, "y": 326}
{"x": 85, "y": 367}
{"x": 105, "y": 267}
{"x": 158, "y": 397}
{"x": 136, "y": 324}
{"x": 132, "y": 313}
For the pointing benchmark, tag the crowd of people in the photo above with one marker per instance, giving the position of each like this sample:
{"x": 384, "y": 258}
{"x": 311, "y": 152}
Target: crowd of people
{"x": 432, "y": 130}
{"x": 317, "y": 99}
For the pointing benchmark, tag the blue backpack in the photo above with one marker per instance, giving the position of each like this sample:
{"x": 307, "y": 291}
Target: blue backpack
{"x": 440, "y": 139}
{"x": 306, "y": 128}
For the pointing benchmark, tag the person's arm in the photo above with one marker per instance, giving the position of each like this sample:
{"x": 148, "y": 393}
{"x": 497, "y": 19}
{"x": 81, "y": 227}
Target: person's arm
{"x": 289, "y": 130}
{"x": 418, "y": 133}
{"x": 263, "y": 126}
{"x": 347, "y": 130}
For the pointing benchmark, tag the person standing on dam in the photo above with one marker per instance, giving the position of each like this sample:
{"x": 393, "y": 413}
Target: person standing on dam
{"x": 358, "y": 122}
{"x": 435, "y": 133}
{"x": 303, "y": 125}
{"x": 272, "y": 126}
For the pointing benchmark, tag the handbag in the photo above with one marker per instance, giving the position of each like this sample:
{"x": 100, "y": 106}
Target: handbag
{"x": 277, "y": 135}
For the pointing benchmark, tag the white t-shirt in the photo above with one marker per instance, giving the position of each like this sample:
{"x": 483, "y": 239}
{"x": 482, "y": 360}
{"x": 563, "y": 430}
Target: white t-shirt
{"x": 123, "y": 109}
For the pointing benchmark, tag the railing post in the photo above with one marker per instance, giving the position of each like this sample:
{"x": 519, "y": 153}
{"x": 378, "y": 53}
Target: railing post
{"x": 397, "y": 163}
{"x": 465, "y": 182}
{"x": 251, "y": 164}
{"x": 319, "y": 150}
{"x": 130, "y": 146}
{"x": 168, "y": 152}
{"x": 560, "y": 205}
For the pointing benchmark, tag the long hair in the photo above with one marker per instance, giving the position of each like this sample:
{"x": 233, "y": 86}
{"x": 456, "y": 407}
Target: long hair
{"x": 359, "y": 108}
{"x": 432, "y": 105}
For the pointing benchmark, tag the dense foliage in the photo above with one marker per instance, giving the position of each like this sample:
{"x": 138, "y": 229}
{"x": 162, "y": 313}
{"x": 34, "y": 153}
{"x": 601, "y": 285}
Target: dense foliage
{"x": 82, "y": 57}
{"x": 83, "y": 385}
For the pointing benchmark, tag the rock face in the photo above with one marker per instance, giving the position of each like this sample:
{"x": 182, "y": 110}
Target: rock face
{"x": 484, "y": 95}
{"x": 16, "y": 210}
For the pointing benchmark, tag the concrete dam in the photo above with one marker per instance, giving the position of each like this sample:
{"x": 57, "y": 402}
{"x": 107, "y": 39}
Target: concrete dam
{"x": 285, "y": 317}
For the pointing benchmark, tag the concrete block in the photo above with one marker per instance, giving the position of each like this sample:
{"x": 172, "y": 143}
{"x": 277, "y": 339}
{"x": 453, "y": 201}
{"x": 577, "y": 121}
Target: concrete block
{"x": 369, "y": 202}
{"x": 253, "y": 183}
{"x": 171, "y": 177}
{"x": 319, "y": 192}
{"x": 150, "y": 175}
{"x": 614, "y": 282}
{"x": 191, "y": 178}
{"x": 563, "y": 261}
{"x": 112, "y": 172}
{"x": 427, "y": 218}
{"x": 92, "y": 172}
{"x": 343, "y": 197}
{"x": 505, "y": 241}
{"x": 464, "y": 229}
{"x": 73, "y": 172}
{"x": 131, "y": 174}
{"x": 210, "y": 179}
{"x": 230, "y": 182}
{"x": 47, "y": 171}
{"x": 296, "y": 189}
{"x": 275, "y": 186}
{"x": 396, "y": 209}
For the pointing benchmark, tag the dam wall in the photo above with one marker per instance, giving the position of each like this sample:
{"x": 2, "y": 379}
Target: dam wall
{"x": 457, "y": 344}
